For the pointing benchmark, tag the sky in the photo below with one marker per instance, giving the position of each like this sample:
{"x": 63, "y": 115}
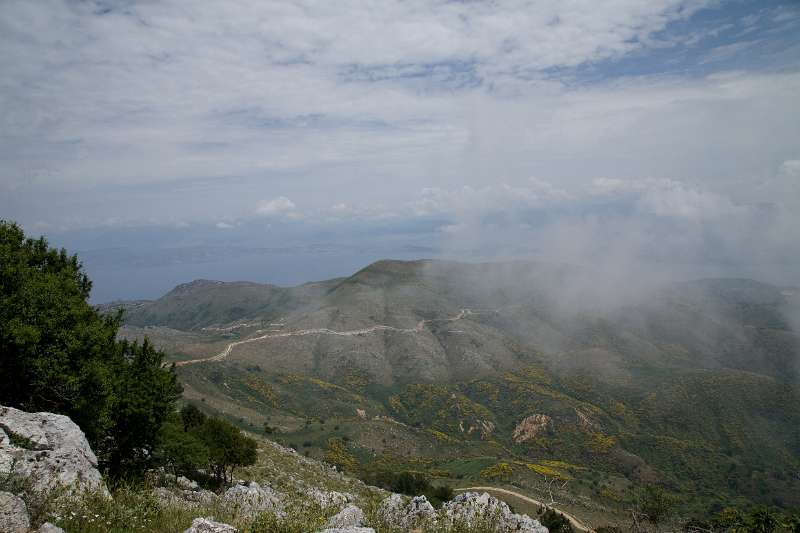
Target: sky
{"x": 288, "y": 141}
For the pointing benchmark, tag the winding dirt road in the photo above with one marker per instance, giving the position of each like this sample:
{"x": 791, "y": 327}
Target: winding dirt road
{"x": 324, "y": 331}
{"x": 577, "y": 524}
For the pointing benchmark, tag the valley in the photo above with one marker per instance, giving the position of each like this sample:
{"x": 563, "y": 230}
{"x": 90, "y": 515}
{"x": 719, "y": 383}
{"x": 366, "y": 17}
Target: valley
{"x": 510, "y": 375}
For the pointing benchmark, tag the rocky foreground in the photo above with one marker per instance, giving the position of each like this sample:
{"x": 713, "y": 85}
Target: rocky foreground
{"x": 45, "y": 457}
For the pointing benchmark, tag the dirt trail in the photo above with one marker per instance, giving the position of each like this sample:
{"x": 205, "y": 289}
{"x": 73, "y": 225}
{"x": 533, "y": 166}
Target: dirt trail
{"x": 577, "y": 524}
{"x": 324, "y": 331}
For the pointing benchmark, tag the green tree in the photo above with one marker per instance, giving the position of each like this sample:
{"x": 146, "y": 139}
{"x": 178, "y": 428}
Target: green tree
{"x": 64, "y": 356}
{"x": 227, "y": 447}
{"x": 145, "y": 394}
{"x": 761, "y": 520}
{"x": 192, "y": 417}
{"x": 181, "y": 452}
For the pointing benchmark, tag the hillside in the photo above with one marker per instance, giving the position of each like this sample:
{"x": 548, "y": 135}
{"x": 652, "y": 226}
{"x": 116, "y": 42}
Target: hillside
{"x": 524, "y": 372}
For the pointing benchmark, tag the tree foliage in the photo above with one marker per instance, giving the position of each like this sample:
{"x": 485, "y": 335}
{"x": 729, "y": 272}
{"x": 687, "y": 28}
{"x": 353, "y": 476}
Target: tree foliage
{"x": 227, "y": 447}
{"x": 64, "y": 356}
{"x": 181, "y": 451}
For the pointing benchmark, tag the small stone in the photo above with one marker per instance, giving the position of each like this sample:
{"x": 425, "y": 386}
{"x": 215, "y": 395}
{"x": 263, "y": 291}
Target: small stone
{"x": 207, "y": 525}
{"x": 47, "y": 527}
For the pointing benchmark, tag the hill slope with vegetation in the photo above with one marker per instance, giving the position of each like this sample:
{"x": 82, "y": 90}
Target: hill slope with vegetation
{"x": 519, "y": 373}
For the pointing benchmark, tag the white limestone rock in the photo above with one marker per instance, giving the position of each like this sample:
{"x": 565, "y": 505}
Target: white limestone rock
{"x": 13, "y": 514}
{"x": 251, "y": 498}
{"x": 54, "y": 452}
{"x": 185, "y": 498}
{"x": 472, "y": 507}
{"x": 396, "y": 513}
{"x": 47, "y": 527}
{"x": 350, "y": 516}
{"x": 207, "y": 525}
{"x": 330, "y": 498}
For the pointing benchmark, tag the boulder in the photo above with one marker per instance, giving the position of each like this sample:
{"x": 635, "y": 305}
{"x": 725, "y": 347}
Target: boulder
{"x": 396, "y": 513}
{"x": 207, "y": 525}
{"x": 185, "y": 498}
{"x": 472, "y": 507}
{"x": 350, "y": 516}
{"x": 13, "y": 514}
{"x": 48, "y": 450}
{"x": 251, "y": 498}
{"x": 186, "y": 483}
{"x": 330, "y": 498}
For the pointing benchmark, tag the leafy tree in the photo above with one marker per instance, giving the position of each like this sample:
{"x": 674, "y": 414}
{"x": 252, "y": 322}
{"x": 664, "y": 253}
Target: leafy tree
{"x": 181, "y": 452}
{"x": 227, "y": 447}
{"x": 761, "y": 520}
{"x": 64, "y": 356}
{"x": 192, "y": 417}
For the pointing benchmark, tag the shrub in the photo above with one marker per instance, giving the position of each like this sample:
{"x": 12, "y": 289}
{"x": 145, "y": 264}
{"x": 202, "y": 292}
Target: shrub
{"x": 337, "y": 455}
{"x": 227, "y": 447}
{"x": 555, "y": 521}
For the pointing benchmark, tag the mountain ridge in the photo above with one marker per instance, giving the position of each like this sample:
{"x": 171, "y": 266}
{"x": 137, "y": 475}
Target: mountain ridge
{"x": 693, "y": 385}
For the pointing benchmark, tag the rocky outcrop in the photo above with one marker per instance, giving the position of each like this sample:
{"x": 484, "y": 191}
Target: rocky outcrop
{"x": 251, "y": 499}
{"x": 50, "y": 451}
{"x": 207, "y": 525}
{"x": 396, "y": 513}
{"x": 485, "y": 427}
{"x": 331, "y": 498}
{"x": 13, "y": 514}
{"x": 530, "y": 427}
{"x": 185, "y": 498}
{"x": 350, "y": 516}
{"x": 477, "y": 509}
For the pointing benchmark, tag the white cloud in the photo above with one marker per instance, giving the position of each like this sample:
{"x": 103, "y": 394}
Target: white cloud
{"x": 224, "y": 225}
{"x": 147, "y": 114}
{"x": 668, "y": 197}
{"x": 478, "y": 201}
{"x": 277, "y": 207}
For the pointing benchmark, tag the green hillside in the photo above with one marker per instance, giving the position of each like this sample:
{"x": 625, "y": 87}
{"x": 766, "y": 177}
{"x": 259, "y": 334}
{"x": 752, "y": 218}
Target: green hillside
{"x": 510, "y": 373}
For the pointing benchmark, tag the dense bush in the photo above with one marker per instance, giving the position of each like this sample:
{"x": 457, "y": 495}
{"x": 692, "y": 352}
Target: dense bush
{"x": 64, "y": 356}
{"x": 409, "y": 483}
{"x": 759, "y": 519}
{"x": 192, "y": 440}
{"x": 555, "y": 522}
{"x": 227, "y": 447}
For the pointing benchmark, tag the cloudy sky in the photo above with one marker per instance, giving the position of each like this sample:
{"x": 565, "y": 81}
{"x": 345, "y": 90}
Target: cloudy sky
{"x": 291, "y": 140}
